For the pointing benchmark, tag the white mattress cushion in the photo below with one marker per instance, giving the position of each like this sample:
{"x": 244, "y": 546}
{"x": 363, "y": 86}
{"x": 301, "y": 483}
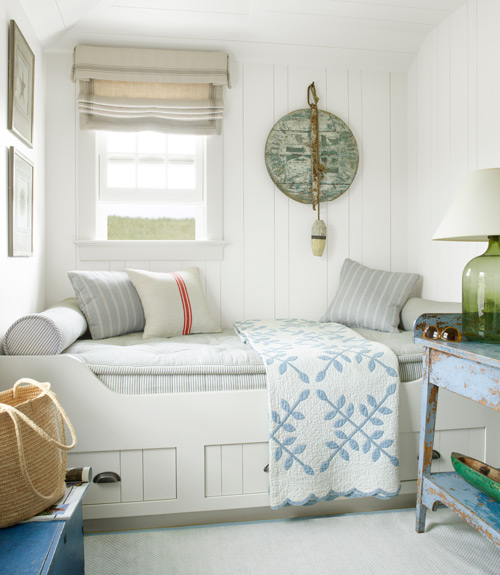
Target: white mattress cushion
{"x": 169, "y": 355}
{"x": 202, "y": 362}
{"x": 409, "y": 353}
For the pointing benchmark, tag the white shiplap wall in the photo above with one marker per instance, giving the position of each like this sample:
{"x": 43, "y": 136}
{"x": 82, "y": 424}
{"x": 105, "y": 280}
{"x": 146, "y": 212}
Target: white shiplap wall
{"x": 454, "y": 127}
{"x": 268, "y": 269}
{"x": 22, "y": 285}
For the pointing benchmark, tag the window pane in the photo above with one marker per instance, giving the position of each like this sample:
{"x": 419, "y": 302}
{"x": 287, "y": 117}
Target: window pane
{"x": 182, "y": 144}
{"x": 181, "y": 174}
{"x": 121, "y": 142}
{"x": 151, "y": 143}
{"x": 154, "y": 222}
{"x": 121, "y": 173}
{"x": 151, "y": 173}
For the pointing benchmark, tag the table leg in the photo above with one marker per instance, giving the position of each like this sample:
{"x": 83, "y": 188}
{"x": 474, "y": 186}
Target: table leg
{"x": 427, "y": 427}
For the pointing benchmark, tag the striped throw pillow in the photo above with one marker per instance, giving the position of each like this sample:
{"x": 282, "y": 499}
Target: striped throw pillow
{"x": 369, "y": 298}
{"x": 46, "y": 333}
{"x": 173, "y": 303}
{"x": 109, "y": 302}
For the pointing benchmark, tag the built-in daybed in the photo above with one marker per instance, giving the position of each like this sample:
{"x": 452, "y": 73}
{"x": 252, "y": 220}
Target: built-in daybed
{"x": 183, "y": 421}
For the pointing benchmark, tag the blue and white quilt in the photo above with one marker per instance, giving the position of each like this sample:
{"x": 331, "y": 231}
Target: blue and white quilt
{"x": 333, "y": 401}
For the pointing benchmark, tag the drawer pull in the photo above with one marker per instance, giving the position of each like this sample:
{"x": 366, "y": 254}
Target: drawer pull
{"x": 107, "y": 477}
{"x": 435, "y": 454}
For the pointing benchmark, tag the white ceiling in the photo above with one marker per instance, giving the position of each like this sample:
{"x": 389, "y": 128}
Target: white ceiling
{"x": 396, "y": 26}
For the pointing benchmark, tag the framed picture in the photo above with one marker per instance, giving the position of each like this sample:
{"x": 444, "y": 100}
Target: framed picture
{"x": 21, "y": 85}
{"x": 20, "y": 204}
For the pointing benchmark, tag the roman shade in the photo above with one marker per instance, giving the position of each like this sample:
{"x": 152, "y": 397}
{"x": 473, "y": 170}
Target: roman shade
{"x": 135, "y": 89}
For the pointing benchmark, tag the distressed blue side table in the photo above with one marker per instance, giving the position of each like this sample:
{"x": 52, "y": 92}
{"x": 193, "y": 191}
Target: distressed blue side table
{"x": 44, "y": 547}
{"x": 471, "y": 370}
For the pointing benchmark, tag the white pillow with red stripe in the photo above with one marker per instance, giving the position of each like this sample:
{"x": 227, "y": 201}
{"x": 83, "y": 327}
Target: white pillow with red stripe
{"x": 173, "y": 303}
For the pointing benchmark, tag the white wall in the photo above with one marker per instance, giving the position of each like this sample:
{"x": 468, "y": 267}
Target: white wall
{"x": 22, "y": 280}
{"x": 454, "y": 127}
{"x": 268, "y": 268}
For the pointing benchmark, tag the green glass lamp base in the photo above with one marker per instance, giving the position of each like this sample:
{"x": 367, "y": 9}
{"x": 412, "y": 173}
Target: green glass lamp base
{"x": 481, "y": 295}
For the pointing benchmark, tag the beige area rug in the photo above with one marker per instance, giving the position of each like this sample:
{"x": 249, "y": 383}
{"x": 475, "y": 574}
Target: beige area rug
{"x": 370, "y": 543}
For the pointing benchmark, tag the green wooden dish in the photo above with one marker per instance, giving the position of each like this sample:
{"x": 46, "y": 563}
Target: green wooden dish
{"x": 480, "y": 475}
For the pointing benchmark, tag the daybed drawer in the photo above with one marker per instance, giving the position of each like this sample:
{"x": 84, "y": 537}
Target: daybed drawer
{"x": 100, "y": 462}
{"x": 146, "y": 475}
{"x": 236, "y": 469}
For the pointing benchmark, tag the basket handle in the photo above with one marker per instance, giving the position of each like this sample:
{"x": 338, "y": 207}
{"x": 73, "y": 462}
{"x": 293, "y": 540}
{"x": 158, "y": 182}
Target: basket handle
{"x": 45, "y": 387}
{"x": 15, "y": 415}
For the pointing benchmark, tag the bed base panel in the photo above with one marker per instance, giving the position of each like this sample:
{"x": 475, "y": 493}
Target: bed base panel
{"x": 204, "y": 453}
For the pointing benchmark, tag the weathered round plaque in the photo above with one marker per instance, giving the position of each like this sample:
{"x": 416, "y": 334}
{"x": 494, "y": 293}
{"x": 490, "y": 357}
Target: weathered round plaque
{"x": 288, "y": 155}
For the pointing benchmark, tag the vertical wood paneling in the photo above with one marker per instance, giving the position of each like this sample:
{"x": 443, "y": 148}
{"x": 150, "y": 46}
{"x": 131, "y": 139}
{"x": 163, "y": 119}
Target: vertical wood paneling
{"x": 468, "y": 122}
{"x": 268, "y": 268}
{"x": 476, "y": 444}
{"x": 338, "y": 210}
{"x": 356, "y": 191}
{"x": 232, "y": 268}
{"x": 232, "y": 469}
{"x": 443, "y": 151}
{"x": 213, "y": 288}
{"x": 475, "y": 248}
{"x": 488, "y": 110}
{"x": 258, "y": 192}
{"x": 138, "y": 265}
{"x": 399, "y": 172}
{"x": 255, "y": 458}
{"x": 432, "y": 220}
{"x": 281, "y": 208}
{"x": 213, "y": 470}
{"x": 165, "y": 266}
{"x": 160, "y": 474}
{"x": 422, "y": 192}
{"x": 116, "y": 266}
{"x": 472, "y": 83}
{"x": 459, "y": 148}
{"x": 376, "y": 170}
{"x": 411, "y": 215}
{"x": 132, "y": 488}
{"x": 308, "y": 273}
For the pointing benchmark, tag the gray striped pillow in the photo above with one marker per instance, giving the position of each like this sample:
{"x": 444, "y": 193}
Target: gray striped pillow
{"x": 369, "y": 298}
{"x": 46, "y": 333}
{"x": 109, "y": 301}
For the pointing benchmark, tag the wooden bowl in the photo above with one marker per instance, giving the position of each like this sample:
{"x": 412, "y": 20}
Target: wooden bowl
{"x": 480, "y": 475}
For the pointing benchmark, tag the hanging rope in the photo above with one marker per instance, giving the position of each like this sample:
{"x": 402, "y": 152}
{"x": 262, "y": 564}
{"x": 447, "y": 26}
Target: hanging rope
{"x": 317, "y": 168}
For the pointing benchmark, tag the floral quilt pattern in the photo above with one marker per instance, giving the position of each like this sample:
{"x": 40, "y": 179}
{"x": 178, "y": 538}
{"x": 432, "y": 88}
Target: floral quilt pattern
{"x": 333, "y": 398}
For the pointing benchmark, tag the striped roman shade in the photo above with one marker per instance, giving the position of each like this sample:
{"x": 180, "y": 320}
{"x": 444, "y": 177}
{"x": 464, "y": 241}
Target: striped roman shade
{"x": 136, "y": 89}
{"x": 369, "y": 298}
{"x": 109, "y": 301}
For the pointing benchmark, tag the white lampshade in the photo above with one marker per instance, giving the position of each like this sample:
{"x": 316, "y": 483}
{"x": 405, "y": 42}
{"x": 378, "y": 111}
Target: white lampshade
{"x": 475, "y": 212}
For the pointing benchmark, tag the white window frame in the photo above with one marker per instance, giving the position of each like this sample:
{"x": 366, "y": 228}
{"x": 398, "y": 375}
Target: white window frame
{"x": 89, "y": 248}
{"x": 194, "y": 198}
{"x": 151, "y": 195}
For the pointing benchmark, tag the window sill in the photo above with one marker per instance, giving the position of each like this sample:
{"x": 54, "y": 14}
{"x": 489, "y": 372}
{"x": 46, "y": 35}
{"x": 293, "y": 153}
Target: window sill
{"x": 96, "y": 250}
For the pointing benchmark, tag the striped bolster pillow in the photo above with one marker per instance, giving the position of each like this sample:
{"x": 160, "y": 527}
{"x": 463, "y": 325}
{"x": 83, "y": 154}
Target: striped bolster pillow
{"x": 369, "y": 298}
{"x": 46, "y": 333}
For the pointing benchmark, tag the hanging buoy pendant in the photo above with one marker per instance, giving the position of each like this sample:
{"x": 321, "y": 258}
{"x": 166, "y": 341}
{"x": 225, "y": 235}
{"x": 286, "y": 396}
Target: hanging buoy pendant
{"x": 318, "y": 237}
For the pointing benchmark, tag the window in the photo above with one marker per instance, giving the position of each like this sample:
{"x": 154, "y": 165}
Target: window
{"x": 151, "y": 186}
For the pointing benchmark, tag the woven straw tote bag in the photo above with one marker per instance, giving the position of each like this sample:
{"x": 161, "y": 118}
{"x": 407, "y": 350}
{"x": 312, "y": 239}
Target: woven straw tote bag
{"x": 32, "y": 450}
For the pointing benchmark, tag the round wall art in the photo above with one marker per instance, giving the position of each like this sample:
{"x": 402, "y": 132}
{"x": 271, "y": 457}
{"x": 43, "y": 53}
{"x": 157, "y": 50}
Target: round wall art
{"x": 288, "y": 155}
